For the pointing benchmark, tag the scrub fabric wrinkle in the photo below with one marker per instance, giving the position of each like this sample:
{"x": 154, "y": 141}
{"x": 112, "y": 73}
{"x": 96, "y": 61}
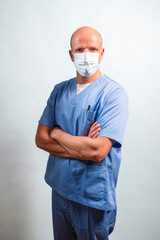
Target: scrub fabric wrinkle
{"x": 91, "y": 184}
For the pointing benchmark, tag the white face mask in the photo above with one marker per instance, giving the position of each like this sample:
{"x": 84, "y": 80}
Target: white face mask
{"x": 86, "y": 63}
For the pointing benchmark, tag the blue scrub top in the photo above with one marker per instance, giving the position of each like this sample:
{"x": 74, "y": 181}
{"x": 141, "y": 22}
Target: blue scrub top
{"x": 87, "y": 182}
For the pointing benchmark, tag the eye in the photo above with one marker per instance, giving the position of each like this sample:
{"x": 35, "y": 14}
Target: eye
{"x": 93, "y": 49}
{"x": 79, "y": 50}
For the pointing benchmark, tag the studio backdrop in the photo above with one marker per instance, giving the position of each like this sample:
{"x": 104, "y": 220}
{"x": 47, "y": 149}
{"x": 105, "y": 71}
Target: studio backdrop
{"x": 34, "y": 44}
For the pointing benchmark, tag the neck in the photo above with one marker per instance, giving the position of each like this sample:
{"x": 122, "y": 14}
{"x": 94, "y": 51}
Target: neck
{"x": 82, "y": 80}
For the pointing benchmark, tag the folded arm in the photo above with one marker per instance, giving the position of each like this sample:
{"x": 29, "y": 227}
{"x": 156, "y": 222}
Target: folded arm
{"x": 60, "y": 143}
{"x": 83, "y": 147}
{"x": 45, "y": 142}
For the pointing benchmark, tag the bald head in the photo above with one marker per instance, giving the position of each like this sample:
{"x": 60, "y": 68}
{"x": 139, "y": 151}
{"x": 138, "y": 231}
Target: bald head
{"x": 86, "y": 39}
{"x": 85, "y": 34}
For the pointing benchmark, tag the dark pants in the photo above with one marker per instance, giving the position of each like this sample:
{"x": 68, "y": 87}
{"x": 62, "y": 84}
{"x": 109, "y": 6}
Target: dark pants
{"x": 74, "y": 221}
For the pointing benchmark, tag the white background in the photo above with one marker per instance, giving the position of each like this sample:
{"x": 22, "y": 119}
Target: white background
{"x": 34, "y": 46}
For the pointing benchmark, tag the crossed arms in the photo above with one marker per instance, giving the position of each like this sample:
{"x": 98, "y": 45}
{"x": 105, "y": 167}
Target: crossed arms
{"x": 62, "y": 144}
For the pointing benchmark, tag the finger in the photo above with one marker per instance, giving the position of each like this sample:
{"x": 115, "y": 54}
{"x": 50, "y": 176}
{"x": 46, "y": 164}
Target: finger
{"x": 95, "y": 135}
{"x": 94, "y": 127}
{"x": 94, "y": 124}
{"x": 95, "y": 131}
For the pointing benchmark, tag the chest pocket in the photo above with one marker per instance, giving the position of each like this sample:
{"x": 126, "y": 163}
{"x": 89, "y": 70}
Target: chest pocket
{"x": 87, "y": 118}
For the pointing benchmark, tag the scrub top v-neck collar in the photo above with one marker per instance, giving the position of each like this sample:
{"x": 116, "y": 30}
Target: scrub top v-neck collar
{"x": 76, "y": 98}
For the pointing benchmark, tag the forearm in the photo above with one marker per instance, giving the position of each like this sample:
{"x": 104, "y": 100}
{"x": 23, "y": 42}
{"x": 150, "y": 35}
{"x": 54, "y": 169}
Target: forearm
{"x": 52, "y": 146}
{"x": 81, "y": 147}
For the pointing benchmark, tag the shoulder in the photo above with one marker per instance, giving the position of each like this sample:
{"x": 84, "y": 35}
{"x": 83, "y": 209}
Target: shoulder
{"x": 114, "y": 90}
{"x": 62, "y": 85}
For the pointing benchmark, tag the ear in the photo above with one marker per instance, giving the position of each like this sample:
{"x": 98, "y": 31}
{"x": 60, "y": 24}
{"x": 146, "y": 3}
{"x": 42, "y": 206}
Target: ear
{"x": 71, "y": 55}
{"x": 101, "y": 54}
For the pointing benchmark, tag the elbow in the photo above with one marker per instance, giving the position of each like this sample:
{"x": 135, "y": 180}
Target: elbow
{"x": 100, "y": 152}
{"x": 38, "y": 142}
{"x": 98, "y": 156}
{"x": 93, "y": 155}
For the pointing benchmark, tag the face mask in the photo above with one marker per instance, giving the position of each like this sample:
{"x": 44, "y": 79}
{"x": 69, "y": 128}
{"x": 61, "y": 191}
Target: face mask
{"x": 86, "y": 63}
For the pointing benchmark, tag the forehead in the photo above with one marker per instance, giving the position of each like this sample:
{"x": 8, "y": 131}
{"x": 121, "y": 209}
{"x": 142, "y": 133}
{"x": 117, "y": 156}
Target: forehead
{"x": 82, "y": 40}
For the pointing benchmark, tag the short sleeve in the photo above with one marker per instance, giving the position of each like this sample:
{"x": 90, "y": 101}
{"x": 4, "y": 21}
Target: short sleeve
{"x": 48, "y": 116}
{"x": 113, "y": 117}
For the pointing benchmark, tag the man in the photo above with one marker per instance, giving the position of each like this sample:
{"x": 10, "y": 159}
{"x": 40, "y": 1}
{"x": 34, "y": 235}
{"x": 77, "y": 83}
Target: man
{"x": 82, "y": 127}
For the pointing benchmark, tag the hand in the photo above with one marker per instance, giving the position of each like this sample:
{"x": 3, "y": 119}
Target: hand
{"x": 54, "y": 132}
{"x": 94, "y": 130}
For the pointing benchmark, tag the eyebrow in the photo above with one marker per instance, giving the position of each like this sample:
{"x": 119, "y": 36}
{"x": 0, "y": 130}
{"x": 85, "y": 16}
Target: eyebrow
{"x": 81, "y": 48}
